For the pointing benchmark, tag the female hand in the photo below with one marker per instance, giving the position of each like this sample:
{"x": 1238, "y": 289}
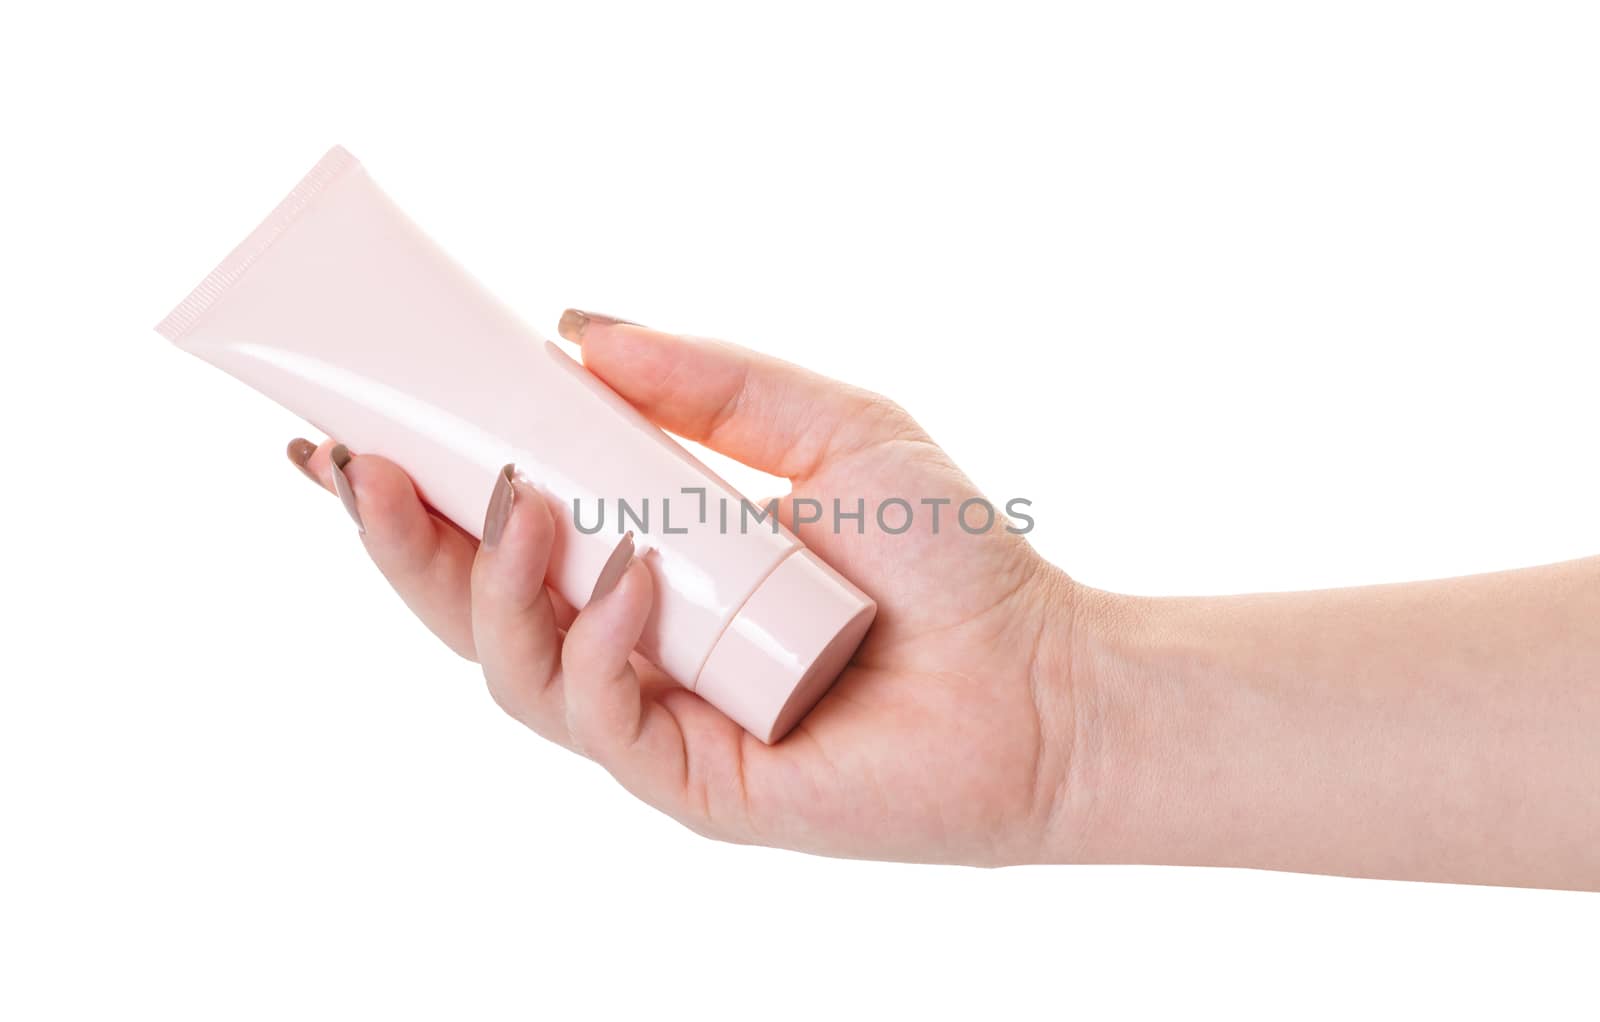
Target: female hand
{"x": 1000, "y": 713}
{"x": 950, "y": 737}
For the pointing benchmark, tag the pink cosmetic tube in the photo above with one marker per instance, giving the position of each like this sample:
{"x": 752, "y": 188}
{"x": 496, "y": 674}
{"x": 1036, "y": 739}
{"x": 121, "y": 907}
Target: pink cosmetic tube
{"x": 339, "y": 308}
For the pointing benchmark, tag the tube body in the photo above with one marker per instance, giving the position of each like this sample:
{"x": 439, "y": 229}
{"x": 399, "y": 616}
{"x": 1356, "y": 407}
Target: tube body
{"x": 340, "y": 308}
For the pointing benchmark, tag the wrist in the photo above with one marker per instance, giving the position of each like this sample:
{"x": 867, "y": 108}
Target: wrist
{"x": 1093, "y": 672}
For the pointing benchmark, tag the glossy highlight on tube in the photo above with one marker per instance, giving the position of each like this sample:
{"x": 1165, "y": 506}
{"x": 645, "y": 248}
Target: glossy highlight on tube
{"x": 341, "y": 309}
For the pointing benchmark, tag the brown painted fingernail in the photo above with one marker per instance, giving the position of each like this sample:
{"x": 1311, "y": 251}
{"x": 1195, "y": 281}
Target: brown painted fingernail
{"x": 575, "y": 321}
{"x": 300, "y": 452}
{"x": 501, "y": 501}
{"x": 616, "y": 567}
{"x": 339, "y": 457}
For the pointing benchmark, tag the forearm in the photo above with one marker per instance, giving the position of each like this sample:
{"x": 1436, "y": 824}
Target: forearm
{"x": 1443, "y": 730}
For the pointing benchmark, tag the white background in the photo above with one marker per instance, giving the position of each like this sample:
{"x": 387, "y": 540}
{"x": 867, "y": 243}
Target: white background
{"x": 1243, "y": 295}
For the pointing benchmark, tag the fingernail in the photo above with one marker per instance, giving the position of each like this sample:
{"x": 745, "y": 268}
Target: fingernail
{"x": 575, "y": 321}
{"x": 300, "y": 452}
{"x": 616, "y": 567}
{"x": 500, "y": 505}
{"x": 339, "y": 457}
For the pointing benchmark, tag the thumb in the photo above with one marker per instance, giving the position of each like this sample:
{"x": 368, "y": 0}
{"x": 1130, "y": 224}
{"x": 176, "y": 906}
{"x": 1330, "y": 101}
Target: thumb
{"x": 769, "y": 414}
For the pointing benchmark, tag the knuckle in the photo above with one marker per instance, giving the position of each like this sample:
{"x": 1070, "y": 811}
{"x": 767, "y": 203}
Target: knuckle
{"x": 893, "y": 417}
{"x": 587, "y": 740}
{"x": 876, "y": 420}
{"x": 504, "y": 696}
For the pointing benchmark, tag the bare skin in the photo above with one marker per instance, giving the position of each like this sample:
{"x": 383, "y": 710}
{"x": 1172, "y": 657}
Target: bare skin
{"x": 1001, "y": 713}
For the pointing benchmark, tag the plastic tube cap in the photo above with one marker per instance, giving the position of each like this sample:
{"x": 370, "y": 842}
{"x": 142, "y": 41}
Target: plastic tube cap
{"x": 786, "y": 645}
